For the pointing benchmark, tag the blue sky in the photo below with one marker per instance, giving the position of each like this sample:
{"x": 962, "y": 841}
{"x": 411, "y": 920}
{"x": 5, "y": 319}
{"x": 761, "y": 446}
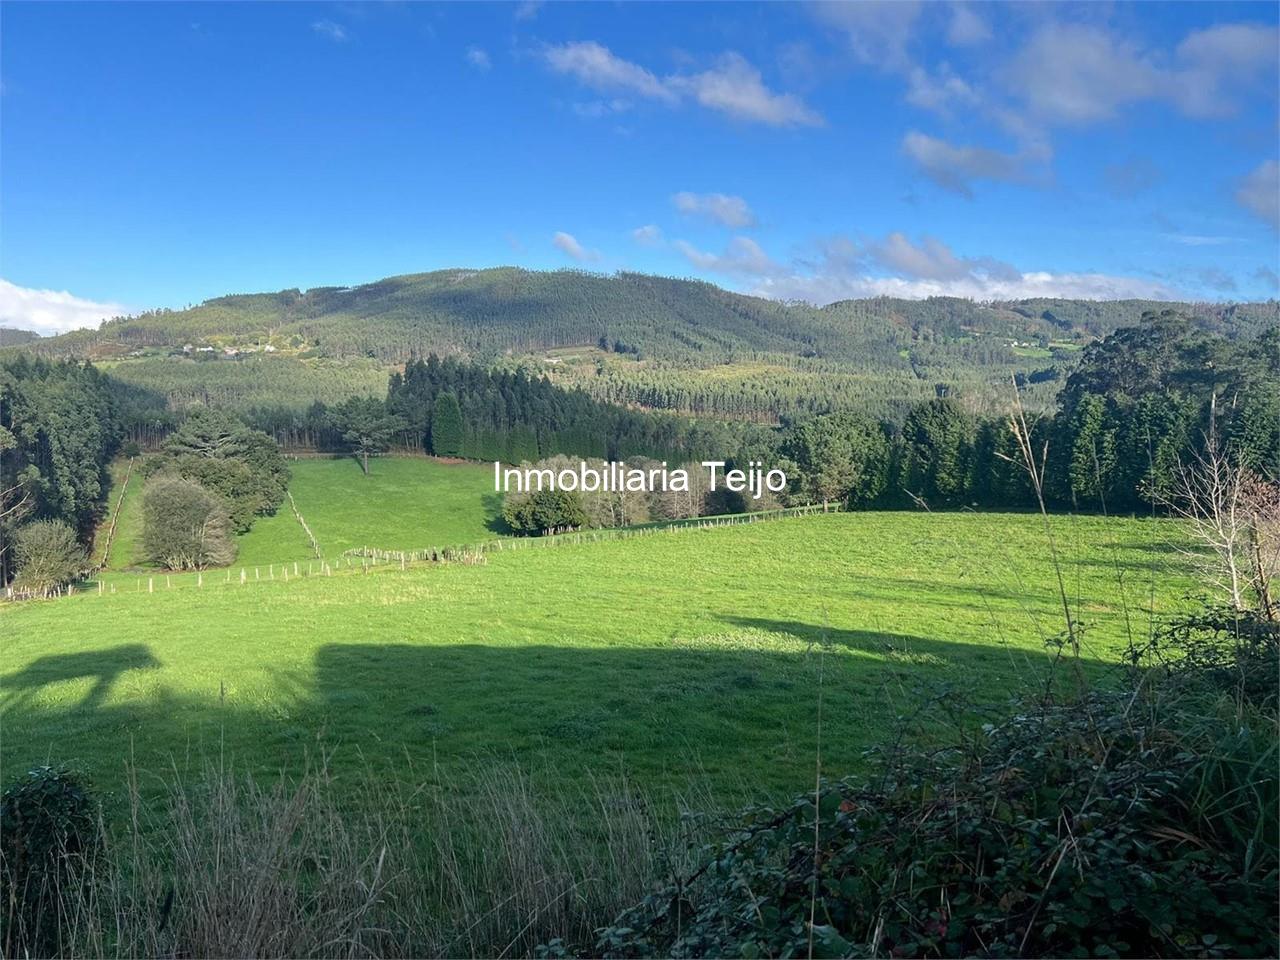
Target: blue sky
{"x": 160, "y": 154}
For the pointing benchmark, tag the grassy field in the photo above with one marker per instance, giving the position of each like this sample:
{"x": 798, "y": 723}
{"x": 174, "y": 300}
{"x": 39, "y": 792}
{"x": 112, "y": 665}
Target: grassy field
{"x": 110, "y": 550}
{"x": 694, "y": 652}
{"x": 404, "y": 503}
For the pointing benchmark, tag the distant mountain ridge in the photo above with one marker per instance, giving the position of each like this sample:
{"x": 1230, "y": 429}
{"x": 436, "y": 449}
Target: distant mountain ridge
{"x": 11, "y": 336}
{"x": 509, "y": 310}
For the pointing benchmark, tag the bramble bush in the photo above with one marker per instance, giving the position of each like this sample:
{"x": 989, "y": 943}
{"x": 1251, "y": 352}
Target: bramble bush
{"x": 1135, "y": 821}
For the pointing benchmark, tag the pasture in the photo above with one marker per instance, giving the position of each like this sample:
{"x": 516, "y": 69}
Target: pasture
{"x": 404, "y": 503}
{"x": 697, "y": 653}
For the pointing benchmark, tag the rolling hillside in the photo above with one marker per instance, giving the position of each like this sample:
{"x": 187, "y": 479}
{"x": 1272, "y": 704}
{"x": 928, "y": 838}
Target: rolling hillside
{"x": 630, "y": 339}
{"x": 509, "y": 310}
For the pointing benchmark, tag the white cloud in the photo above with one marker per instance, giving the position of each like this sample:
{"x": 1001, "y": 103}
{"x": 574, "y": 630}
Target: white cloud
{"x": 527, "y": 10}
{"x": 51, "y": 311}
{"x": 724, "y": 209}
{"x": 1196, "y": 240}
{"x": 478, "y": 58}
{"x": 895, "y": 267}
{"x": 568, "y": 244}
{"x": 938, "y": 93}
{"x": 327, "y": 28}
{"x": 743, "y": 257}
{"x": 1259, "y": 192}
{"x": 1075, "y": 73}
{"x": 597, "y": 67}
{"x": 931, "y": 259}
{"x": 954, "y": 167}
{"x": 595, "y": 109}
{"x": 878, "y": 32}
{"x": 966, "y": 27}
{"x": 733, "y": 86}
{"x": 649, "y": 235}
{"x": 1212, "y": 65}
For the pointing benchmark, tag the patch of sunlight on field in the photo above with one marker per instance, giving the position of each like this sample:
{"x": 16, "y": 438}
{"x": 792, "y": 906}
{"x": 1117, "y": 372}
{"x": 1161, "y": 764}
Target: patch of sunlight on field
{"x": 404, "y": 503}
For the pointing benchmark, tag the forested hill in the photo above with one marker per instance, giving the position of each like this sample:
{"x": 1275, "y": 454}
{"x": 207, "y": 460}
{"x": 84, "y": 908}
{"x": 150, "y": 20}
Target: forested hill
{"x": 486, "y": 313}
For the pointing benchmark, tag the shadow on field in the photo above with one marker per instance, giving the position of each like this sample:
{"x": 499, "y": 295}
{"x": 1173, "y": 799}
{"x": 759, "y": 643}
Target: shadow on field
{"x": 103, "y": 665}
{"x": 493, "y": 510}
{"x": 734, "y": 706}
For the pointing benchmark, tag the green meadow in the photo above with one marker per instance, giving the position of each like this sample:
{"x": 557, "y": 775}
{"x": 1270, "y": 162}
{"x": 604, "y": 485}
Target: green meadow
{"x": 693, "y": 653}
{"x": 403, "y": 503}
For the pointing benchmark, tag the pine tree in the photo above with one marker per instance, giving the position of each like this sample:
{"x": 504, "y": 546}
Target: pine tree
{"x": 446, "y": 426}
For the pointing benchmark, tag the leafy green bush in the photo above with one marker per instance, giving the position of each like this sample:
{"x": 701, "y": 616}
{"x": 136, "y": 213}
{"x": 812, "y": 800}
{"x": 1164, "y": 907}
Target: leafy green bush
{"x": 184, "y": 526}
{"x": 544, "y": 512}
{"x": 48, "y": 557}
{"x": 49, "y": 834}
{"x": 1220, "y": 648}
{"x": 1129, "y": 823}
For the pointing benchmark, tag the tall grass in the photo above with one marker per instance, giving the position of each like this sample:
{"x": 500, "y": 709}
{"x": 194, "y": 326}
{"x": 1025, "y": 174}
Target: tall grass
{"x": 486, "y": 863}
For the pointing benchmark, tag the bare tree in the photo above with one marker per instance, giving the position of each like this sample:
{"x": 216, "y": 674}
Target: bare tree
{"x": 1234, "y": 519}
{"x": 1261, "y": 500}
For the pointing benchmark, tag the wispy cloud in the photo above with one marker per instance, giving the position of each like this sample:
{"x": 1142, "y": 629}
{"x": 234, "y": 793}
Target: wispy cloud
{"x": 568, "y": 244}
{"x": 478, "y": 58}
{"x": 727, "y": 210}
{"x": 955, "y": 168}
{"x": 1259, "y": 192}
{"x": 736, "y": 88}
{"x": 1198, "y": 240}
{"x": 596, "y": 66}
{"x": 649, "y": 235}
{"x": 896, "y": 266}
{"x": 527, "y": 10}
{"x": 333, "y": 31}
{"x": 52, "y": 311}
{"x": 1131, "y": 177}
{"x": 1080, "y": 73}
{"x": 732, "y": 86}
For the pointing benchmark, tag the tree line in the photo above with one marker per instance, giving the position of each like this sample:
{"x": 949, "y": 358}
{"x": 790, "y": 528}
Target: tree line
{"x": 1142, "y": 404}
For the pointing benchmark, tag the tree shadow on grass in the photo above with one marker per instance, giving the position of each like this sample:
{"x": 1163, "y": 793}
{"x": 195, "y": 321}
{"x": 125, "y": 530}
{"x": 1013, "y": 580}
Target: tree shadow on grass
{"x": 104, "y": 666}
{"x": 495, "y": 523}
{"x": 732, "y": 708}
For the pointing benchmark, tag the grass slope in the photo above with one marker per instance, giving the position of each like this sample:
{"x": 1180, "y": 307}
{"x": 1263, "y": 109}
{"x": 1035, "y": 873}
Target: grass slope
{"x": 404, "y": 502}
{"x": 674, "y": 654}
{"x": 126, "y": 545}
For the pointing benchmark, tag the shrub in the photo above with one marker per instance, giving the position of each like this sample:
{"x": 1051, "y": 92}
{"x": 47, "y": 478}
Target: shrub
{"x": 49, "y": 834}
{"x": 1220, "y": 648}
{"x": 545, "y": 512}
{"x": 1132, "y": 823}
{"x": 185, "y": 527}
{"x": 48, "y": 558}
